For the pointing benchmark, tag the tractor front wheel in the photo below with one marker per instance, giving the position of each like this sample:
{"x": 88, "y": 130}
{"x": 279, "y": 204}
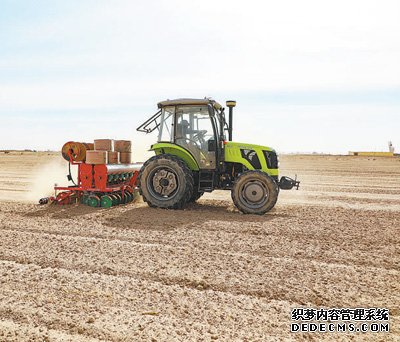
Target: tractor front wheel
{"x": 254, "y": 192}
{"x": 165, "y": 181}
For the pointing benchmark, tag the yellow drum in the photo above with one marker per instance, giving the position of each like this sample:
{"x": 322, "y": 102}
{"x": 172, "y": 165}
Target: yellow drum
{"x": 76, "y": 149}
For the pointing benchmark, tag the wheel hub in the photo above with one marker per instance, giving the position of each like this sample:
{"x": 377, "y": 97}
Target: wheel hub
{"x": 254, "y": 193}
{"x": 164, "y": 182}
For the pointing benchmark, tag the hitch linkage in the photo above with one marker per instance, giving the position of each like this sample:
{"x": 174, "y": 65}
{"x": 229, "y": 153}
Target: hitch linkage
{"x": 287, "y": 183}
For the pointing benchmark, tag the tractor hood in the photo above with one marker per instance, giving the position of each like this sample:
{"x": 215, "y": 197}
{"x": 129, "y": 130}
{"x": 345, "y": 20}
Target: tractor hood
{"x": 253, "y": 157}
{"x": 244, "y": 146}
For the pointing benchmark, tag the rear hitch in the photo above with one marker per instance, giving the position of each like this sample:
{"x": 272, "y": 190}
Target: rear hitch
{"x": 287, "y": 183}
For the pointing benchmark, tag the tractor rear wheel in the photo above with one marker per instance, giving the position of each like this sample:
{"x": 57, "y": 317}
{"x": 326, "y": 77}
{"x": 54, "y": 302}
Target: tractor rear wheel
{"x": 165, "y": 181}
{"x": 254, "y": 192}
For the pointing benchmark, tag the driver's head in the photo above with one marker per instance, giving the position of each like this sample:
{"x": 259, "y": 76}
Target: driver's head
{"x": 183, "y": 128}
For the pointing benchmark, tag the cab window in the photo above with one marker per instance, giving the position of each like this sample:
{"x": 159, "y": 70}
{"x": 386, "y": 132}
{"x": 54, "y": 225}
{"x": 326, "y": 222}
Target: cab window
{"x": 194, "y": 130}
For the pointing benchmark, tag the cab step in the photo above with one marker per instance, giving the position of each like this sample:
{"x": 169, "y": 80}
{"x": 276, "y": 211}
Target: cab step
{"x": 206, "y": 181}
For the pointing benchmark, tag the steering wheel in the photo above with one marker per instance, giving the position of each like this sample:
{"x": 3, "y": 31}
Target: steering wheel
{"x": 195, "y": 143}
{"x": 200, "y": 136}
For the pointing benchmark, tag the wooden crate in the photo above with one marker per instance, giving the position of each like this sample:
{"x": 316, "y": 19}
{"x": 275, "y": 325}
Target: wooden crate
{"x": 112, "y": 157}
{"x": 96, "y": 157}
{"x": 125, "y": 157}
{"x": 103, "y": 145}
{"x": 123, "y": 145}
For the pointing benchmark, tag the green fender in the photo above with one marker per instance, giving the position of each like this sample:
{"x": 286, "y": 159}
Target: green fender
{"x": 180, "y": 152}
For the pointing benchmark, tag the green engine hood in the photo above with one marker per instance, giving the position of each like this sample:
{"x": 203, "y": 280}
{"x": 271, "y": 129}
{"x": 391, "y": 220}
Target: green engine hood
{"x": 244, "y": 146}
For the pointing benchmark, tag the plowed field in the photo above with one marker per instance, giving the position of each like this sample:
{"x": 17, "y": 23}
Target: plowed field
{"x": 133, "y": 273}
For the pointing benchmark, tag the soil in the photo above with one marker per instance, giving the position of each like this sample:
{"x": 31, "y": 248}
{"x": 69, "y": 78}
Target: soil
{"x": 206, "y": 273}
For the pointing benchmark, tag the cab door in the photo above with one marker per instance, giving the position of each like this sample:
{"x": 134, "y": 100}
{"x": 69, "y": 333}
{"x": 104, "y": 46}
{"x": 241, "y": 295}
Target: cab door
{"x": 195, "y": 132}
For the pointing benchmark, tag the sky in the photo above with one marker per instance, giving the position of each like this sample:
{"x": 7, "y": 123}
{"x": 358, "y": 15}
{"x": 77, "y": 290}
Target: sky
{"x": 308, "y": 76}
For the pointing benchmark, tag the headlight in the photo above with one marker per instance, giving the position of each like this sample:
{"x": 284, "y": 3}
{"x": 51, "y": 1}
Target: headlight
{"x": 272, "y": 159}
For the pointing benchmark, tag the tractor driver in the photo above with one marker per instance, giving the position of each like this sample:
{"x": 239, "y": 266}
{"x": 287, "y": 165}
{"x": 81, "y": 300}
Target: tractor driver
{"x": 191, "y": 139}
{"x": 184, "y": 129}
{"x": 193, "y": 133}
{"x": 185, "y": 132}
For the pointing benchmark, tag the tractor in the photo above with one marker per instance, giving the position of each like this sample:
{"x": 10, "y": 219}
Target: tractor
{"x": 195, "y": 154}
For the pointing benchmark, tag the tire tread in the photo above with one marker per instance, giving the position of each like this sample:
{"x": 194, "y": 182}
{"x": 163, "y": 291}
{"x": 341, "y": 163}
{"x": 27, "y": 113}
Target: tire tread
{"x": 188, "y": 180}
{"x": 273, "y": 187}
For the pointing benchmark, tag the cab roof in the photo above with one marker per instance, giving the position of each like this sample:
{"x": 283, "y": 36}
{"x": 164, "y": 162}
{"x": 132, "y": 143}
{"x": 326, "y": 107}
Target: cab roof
{"x": 189, "y": 102}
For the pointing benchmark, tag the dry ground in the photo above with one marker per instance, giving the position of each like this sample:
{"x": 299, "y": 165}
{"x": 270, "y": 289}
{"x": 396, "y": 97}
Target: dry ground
{"x": 132, "y": 273}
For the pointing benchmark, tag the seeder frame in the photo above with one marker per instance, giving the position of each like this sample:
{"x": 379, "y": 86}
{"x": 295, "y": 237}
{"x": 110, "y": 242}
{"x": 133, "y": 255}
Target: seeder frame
{"x": 70, "y": 194}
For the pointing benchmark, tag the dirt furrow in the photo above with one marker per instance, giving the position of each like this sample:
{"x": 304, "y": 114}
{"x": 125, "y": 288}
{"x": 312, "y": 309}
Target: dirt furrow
{"x": 251, "y": 275}
{"x": 134, "y": 305}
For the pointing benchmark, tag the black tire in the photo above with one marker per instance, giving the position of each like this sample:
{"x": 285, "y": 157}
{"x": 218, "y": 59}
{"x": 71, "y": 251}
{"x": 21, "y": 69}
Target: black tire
{"x": 165, "y": 181}
{"x": 196, "y": 195}
{"x": 254, "y": 192}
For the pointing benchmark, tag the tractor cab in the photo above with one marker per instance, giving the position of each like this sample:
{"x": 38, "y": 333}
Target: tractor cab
{"x": 196, "y": 125}
{"x": 192, "y": 127}
{"x": 193, "y": 156}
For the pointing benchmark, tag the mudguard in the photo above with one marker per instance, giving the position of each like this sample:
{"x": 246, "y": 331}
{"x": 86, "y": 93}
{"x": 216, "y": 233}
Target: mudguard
{"x": 176, "y": 150}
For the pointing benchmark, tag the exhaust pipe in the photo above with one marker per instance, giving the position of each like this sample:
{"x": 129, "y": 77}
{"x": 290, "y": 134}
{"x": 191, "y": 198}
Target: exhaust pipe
{"x": 230, "y": 104}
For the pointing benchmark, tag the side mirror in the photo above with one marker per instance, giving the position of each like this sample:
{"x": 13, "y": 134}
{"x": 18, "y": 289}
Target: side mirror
{"x": 211, "y": 145}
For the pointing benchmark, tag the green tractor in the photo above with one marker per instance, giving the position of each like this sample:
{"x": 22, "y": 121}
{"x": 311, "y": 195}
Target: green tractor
{"x": 193, "y": 156}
